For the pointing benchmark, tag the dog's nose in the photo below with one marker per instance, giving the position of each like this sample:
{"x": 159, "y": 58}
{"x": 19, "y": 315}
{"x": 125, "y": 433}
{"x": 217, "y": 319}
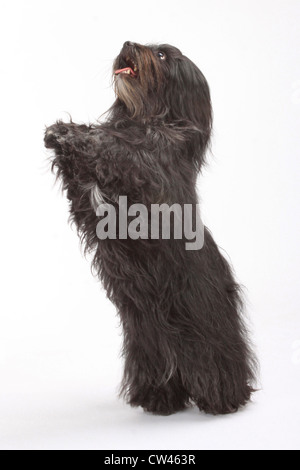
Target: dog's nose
{"x": 128, "y": 44}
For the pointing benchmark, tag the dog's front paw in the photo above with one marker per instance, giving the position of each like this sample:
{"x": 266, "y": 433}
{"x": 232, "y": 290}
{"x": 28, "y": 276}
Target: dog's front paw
{"x": 50, "y": 139}
{"x": 54, "y": 135}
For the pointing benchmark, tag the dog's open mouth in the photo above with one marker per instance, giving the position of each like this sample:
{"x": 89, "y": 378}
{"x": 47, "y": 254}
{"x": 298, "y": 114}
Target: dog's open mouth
{"x": 131, "y": 68}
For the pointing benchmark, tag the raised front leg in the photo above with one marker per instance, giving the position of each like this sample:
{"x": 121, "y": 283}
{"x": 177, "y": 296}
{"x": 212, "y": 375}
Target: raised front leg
{"x": 63, "y": 136}
{"x": 76, "y": 155}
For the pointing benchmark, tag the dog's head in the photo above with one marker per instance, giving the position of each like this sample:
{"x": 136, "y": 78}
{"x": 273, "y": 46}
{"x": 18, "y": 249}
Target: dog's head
{"x": 159, "y": 81}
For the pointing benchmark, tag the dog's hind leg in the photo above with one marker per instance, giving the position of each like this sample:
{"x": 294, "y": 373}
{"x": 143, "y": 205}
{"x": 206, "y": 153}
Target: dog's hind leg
{"x": 151, "y": 378}
{"x": 218, "y": 367}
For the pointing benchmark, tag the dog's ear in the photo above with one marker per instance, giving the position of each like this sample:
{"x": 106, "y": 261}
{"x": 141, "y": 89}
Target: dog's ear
{"x": 188, "y": 98}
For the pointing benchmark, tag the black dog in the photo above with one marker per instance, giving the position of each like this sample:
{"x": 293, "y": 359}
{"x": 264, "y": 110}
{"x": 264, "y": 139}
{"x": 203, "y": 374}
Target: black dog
{"x": 184, "y": 337}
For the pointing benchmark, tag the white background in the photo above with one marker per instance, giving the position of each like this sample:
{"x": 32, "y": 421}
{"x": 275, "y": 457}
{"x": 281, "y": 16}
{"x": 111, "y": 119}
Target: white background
{"x": 59, "y": 336}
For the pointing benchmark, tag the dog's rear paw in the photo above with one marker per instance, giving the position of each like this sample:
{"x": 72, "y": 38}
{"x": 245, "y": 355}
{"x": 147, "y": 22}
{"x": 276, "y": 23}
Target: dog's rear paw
{"x": 225, "y": 404}
{"x": 163, "y": 408}
{"x": 217, "y": 409}
{"x": 161, "y": 403}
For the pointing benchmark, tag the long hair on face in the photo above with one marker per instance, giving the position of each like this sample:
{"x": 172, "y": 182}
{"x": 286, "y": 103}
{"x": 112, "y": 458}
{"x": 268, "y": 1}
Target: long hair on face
{"x": 167, "y": 86}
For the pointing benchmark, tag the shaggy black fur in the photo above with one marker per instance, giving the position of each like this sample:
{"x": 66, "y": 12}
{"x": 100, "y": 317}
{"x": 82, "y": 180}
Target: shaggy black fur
{"x": 184, "y": 337}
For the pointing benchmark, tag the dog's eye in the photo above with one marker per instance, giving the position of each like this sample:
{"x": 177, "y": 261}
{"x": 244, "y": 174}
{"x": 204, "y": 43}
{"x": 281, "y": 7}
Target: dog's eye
{"x": 161, "y": 55}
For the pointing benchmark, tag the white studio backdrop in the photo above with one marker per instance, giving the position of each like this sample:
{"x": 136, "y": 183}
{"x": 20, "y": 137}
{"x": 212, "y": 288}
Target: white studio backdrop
{"x": 59, "y": 335}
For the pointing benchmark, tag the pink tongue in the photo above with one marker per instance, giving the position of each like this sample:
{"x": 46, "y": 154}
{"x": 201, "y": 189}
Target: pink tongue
{"x": 117, "y": 72}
